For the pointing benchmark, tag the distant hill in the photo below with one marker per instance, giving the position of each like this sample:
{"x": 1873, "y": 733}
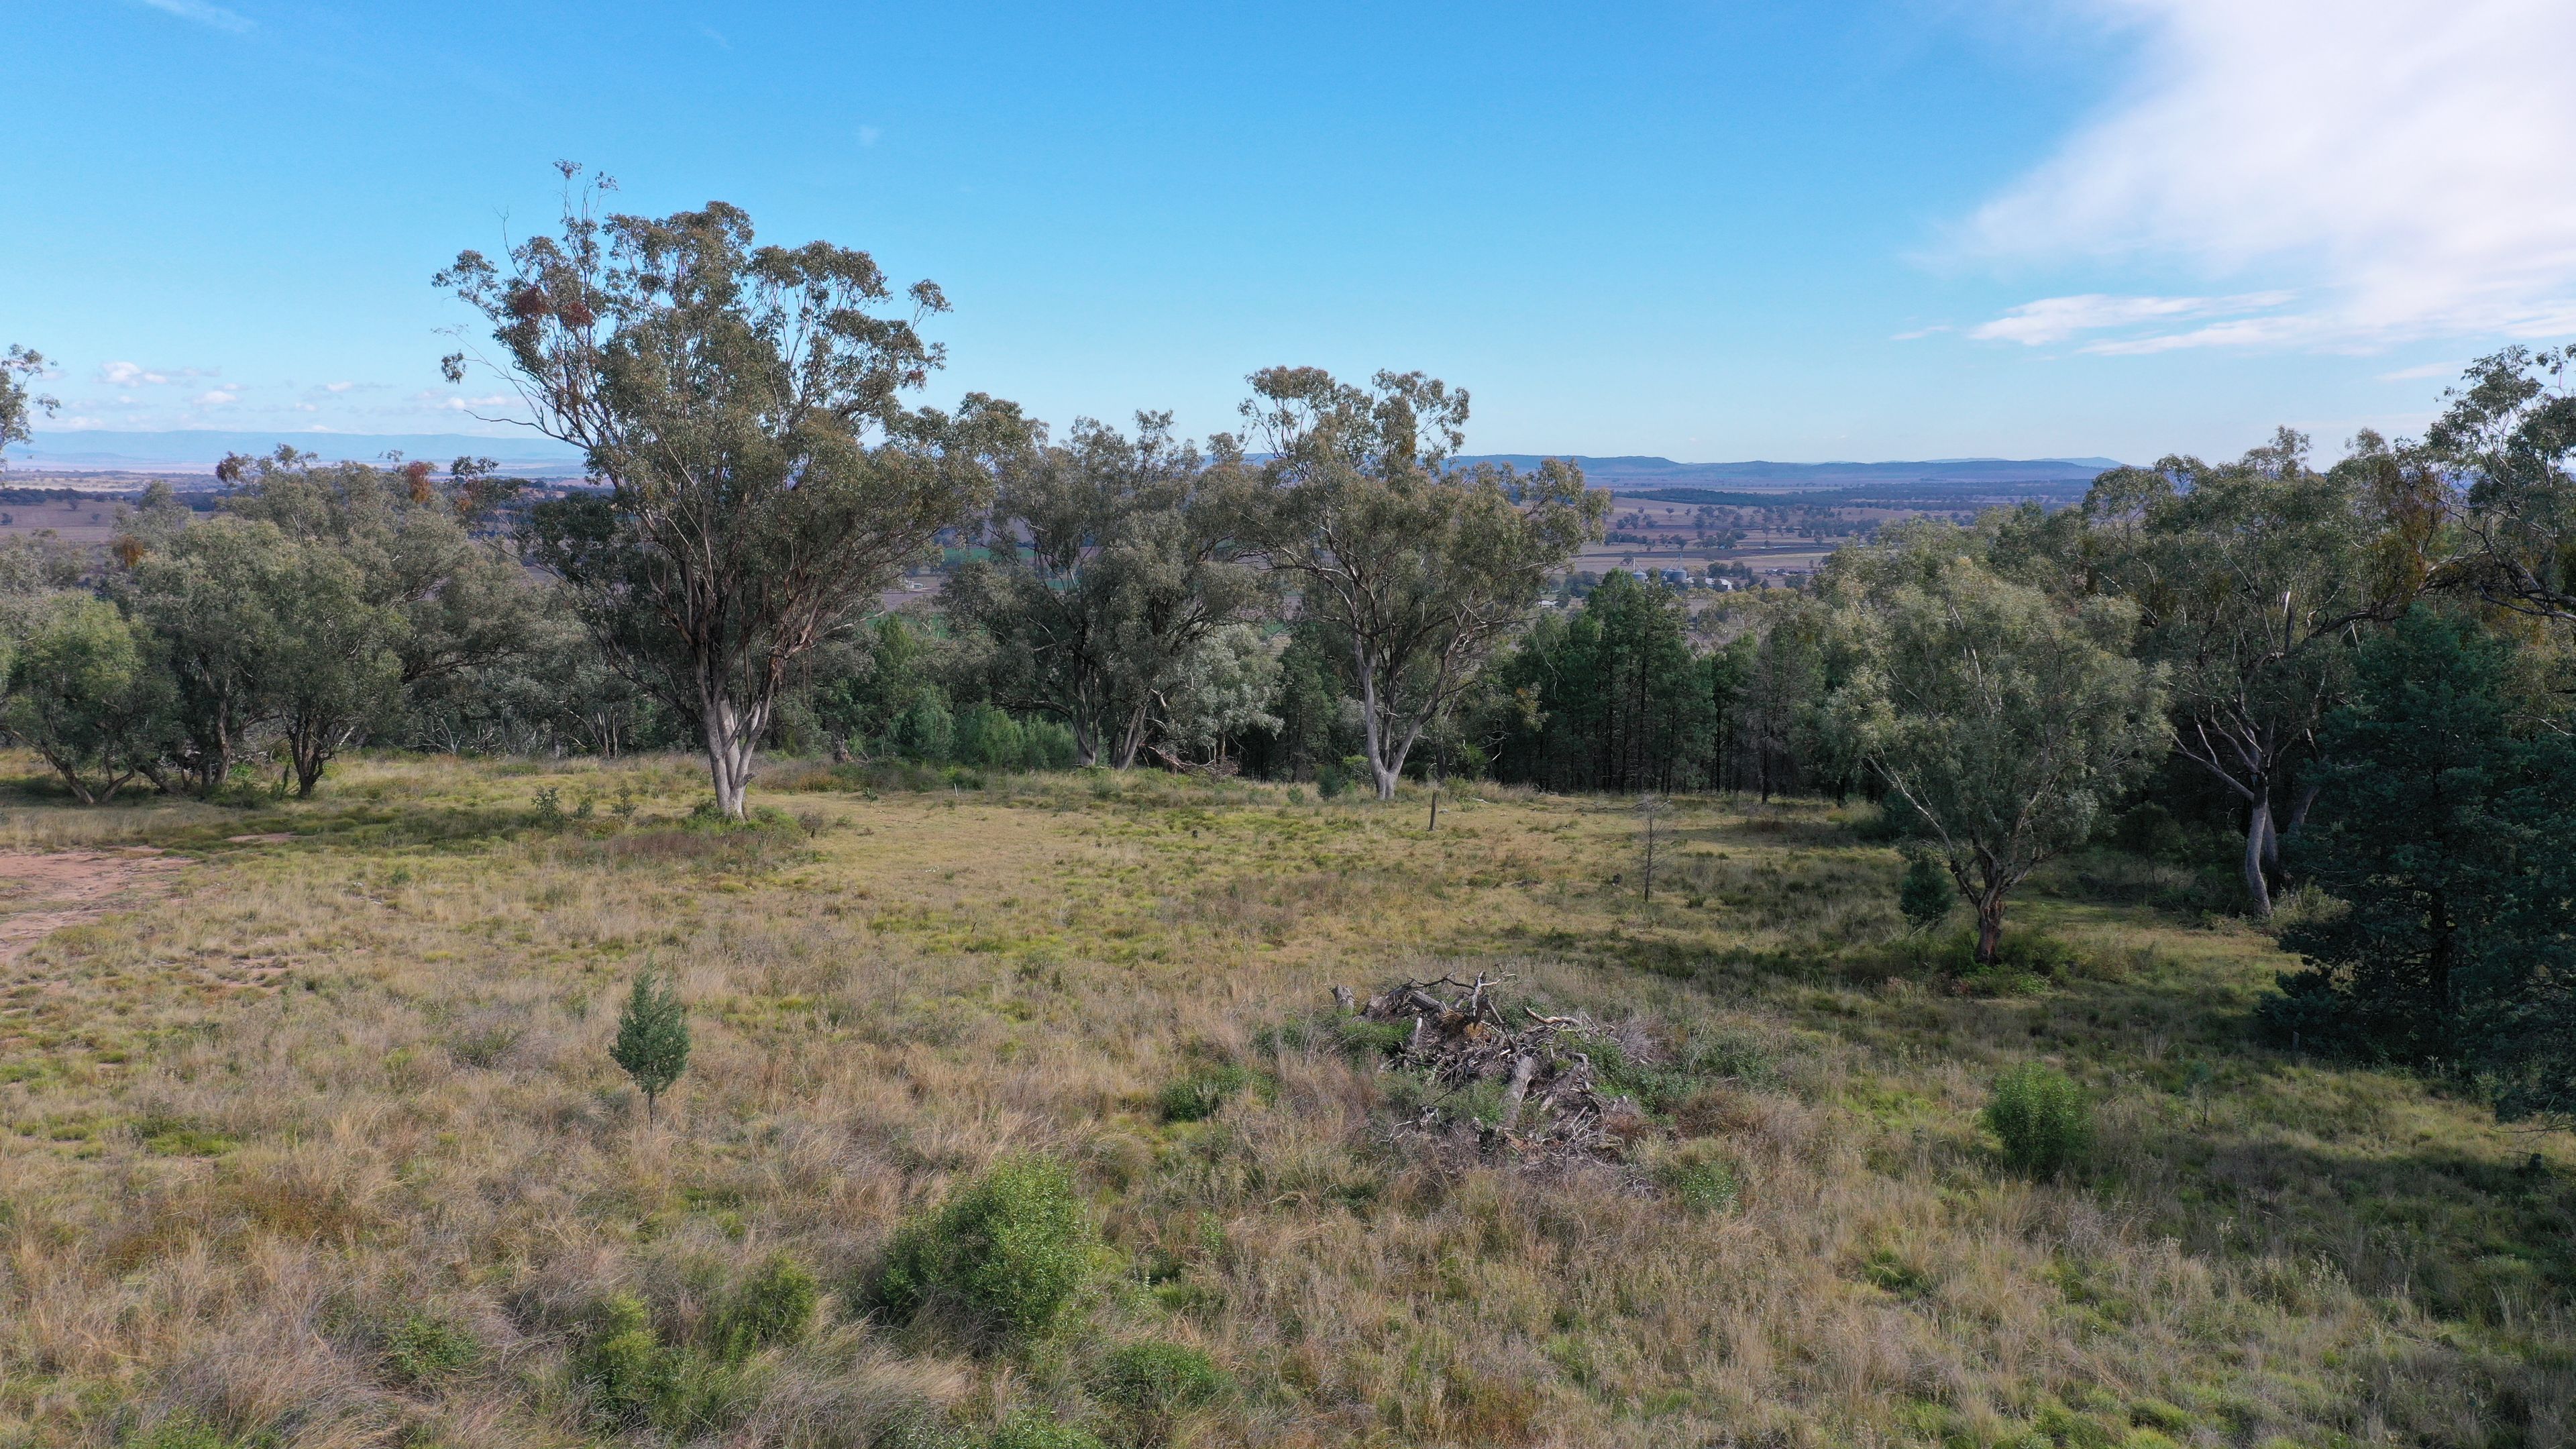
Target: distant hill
{"x": 1628, "y": 474}
{"x": 1932, "y": 483}
{"x": 199, "y": 450}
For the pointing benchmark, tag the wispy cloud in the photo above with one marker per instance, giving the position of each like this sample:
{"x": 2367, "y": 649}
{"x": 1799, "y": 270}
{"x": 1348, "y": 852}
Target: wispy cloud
{"x": 2059, "y": 319}
{"x": 2425, "y": 370}
{"x": 203, "y": 13}
{"x": 215, "y": 398}
{"x": 2403, "y": 163}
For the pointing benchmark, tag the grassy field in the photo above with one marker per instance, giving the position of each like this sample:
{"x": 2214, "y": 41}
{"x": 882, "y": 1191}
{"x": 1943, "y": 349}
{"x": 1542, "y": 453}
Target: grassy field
{"x": 315, "y": 1139}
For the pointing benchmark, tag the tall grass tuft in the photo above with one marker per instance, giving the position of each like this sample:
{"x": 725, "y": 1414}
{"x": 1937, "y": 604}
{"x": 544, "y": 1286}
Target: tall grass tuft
{"x": 2042, "y": 1117}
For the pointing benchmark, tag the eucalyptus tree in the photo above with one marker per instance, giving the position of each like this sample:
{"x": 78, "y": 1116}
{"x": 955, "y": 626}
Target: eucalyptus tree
{"x": 77, "y": 686}
{"x": 1420, "y": 568}
{"x": 2005, "y": 719}
{"x": 264, "y": 637}
{"x": 2252, "y": 581}
{"x": 2502, "y": 461}
{"x": 744, "y": 407}
{"x": 1112, "y": 560}
{"x": 17, "y": 402}
{"x": 410, "y": 532}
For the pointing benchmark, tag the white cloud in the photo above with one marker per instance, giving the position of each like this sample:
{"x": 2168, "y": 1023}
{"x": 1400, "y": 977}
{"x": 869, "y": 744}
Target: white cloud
{"x": 127, "y": 374}
{"x": 338, "y": 386}
{"x": 214, "y": 399}
{"x": 2056, "y": 319}
{"x": 2405, "y": 163}
{"x": 203, "y": 13}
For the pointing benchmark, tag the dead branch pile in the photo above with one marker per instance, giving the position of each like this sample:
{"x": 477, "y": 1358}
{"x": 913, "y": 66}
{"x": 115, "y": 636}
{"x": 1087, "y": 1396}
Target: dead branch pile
{"x": 1554, "y": 1105}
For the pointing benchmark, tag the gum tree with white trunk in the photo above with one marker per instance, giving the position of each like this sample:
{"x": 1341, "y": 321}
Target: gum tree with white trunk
{"x": 743, "y": 407}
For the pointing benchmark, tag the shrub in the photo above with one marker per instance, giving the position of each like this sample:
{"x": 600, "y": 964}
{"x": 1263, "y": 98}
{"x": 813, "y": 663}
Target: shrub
{"x": 423, "y": 1350}
{"x": 1925, "y": 894}
{"x": 632, "y": 1379}
{"x": 652, "y": 1037}
{"x": 1196, "y": 1097}
{"x": 775, "y": 1306}
{"x": 2041, "y": 1116}
{"x": 622, "y": 1369}
{"x": 1701, "y": 1179}
{"x": 1008, "y": 1254}
{"x": 1155, "y": 1378}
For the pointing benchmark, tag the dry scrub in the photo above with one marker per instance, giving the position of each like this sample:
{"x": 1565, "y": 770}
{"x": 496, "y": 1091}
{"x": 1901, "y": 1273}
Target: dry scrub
{"x": 325, "y": 1147}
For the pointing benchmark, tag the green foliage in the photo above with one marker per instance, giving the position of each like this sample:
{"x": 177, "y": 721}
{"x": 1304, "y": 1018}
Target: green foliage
{"x": 1196, "y": 1097}
{"x": 1004, "y": 1257}
{"x": 2042, "y": 1118}
{"x": 1153, "y": 1378}
{"x": 1701, "y": 1179}
{"x": 652, "y": 1043}
{"x": 1140, "y": 553}
{"x": 2004, "y": 719}
{"x": 1422, "y": 567}
{"x": 79, "y": 687}
{"x": 1890, "y": 1272}
{"x": 1613, "y": 698}
{"x": 776, "y": 1306}
{"x": 17, "y": 403}
{"x": 183, "y": 1431}
{"x": 744, "y": 405}
{"x": 621, "y": 1366}
{"x": 1039, "y": 1429}
{"x": 631, "y": 1379}
{"x": 423, "y": 1350}
{"x": 2443, "y": 835}
{"x": 1927, "y": 892}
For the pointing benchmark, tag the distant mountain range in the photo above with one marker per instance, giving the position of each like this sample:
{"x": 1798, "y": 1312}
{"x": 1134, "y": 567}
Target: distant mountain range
{"x": 1750, "y": 484}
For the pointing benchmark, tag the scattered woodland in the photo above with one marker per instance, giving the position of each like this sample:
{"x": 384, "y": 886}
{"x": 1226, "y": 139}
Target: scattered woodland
{"x": 1233, "y": 967}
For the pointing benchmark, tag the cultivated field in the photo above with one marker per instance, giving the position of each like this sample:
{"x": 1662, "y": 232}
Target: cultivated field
{"x": 312, "y": 1136}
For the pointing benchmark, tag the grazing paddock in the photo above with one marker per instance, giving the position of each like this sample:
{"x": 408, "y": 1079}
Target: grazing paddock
{"x": 309, "y": 1135}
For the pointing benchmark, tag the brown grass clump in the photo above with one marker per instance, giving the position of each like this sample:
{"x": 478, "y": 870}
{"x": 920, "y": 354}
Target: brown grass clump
{"x": 323, "y": 1146}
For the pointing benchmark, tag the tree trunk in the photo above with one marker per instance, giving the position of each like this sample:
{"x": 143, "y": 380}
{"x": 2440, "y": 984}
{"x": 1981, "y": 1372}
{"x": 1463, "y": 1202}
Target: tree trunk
{"x": 731, "y": 743}
{"x": 2258, "y": 835}
{"x": 1132, "y": 738}
{"x": 1990, "y": 924}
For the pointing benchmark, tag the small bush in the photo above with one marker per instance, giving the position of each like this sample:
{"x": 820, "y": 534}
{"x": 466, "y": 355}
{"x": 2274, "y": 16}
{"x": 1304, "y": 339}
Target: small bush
{"x": 622, "y": 1369}
{"x": 424, "y": 1350}
{"x": 1926, "y": 892}
{"x": 1701, "y": 1179}
{"x": 631, "y": 1379}
{"x": 2042, "y": 1118}
{"x": 1155, "y": 1378}
{"x": 1008, "y": 1254}
{"x": 775, "y": 1306}
{"x": 1196, "y": 1097}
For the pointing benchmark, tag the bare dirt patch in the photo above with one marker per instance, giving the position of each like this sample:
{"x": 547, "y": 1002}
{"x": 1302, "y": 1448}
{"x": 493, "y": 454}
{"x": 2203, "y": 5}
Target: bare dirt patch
{"x": 40, "y": 893}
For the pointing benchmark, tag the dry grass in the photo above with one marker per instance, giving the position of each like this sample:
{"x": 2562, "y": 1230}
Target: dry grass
{"x": 333, "y": 1083}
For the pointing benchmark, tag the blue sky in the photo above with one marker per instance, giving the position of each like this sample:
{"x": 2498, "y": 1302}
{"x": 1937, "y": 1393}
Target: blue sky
{"x": 1877, "y": 230}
